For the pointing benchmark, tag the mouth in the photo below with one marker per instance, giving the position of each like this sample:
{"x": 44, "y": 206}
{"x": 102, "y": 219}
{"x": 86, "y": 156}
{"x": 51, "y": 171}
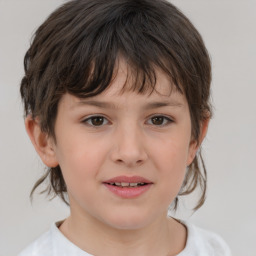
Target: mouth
{"x": 128, "y": 187}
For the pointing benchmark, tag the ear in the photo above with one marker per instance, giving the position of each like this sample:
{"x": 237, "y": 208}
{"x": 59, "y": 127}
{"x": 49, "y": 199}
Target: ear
{"x": 43, "y": 144}
{"x": 194, "y": 145}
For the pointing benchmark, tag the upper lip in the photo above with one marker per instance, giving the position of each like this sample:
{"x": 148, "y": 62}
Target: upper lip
{"x": 127, "y": 179}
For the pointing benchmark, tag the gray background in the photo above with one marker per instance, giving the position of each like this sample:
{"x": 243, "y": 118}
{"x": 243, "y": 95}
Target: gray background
{"x": 229, "y": 30}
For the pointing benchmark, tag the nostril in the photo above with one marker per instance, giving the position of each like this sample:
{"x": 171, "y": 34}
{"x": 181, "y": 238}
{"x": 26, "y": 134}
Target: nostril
{"x": 130, "y": 163}
{"x": 128, "y": 156}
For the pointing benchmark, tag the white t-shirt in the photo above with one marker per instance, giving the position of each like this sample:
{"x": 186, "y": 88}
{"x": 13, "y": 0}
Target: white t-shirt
{"x": 199, "y": 243}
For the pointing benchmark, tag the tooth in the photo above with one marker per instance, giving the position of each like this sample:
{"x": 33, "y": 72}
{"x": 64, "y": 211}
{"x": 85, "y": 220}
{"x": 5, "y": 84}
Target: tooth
{"x": 124, "y": 184}
{"x": 133, "y": 184}
{"x": 118, "y": 183}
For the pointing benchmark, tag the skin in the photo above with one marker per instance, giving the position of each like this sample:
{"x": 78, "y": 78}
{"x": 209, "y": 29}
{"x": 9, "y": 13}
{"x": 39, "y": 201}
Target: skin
{"x": 135, "y": 136}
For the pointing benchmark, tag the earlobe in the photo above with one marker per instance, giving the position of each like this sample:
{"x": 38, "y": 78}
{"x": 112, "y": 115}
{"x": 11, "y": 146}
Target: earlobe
{"x": 43, "y": 144}
{"x": 195, "y": 145}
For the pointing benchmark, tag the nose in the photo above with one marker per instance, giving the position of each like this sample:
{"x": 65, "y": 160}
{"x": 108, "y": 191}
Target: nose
{"x": 129, "y": 147}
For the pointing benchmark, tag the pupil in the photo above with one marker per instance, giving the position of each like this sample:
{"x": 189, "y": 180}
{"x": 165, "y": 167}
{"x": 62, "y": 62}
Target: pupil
{"x": 157, "y": 120}
{"x": 97, "y": 121}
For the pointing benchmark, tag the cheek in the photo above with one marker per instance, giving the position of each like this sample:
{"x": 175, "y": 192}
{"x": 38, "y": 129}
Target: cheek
{"x": 172, "y": 154}
{"x": 174, "y": 164}
{"x": 80, "y": 159}
{"x": 171, "y": 163}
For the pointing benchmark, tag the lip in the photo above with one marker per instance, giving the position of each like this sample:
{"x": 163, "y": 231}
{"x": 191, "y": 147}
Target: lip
{"x": 127, "y": 179}
{"x": 128, "y": 192}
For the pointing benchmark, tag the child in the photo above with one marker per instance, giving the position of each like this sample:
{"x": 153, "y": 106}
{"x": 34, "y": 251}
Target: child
{"x": 116, "y": 96}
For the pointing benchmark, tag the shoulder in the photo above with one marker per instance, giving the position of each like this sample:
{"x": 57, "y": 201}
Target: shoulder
{"x": 211, "y": 241}
{"x": 201, "y": 242}
{"x": 53, "y": 243}
{"x": 40, "y": 247}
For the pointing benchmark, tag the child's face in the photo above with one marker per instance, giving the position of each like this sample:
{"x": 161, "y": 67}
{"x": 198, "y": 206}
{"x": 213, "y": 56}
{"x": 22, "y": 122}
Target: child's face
{"x": 112, "y": 137}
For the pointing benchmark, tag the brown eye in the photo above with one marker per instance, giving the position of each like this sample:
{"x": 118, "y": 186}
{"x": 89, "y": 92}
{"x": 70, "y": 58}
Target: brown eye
{"x": 159, "y": 120}
{"x": 96, "y": 121}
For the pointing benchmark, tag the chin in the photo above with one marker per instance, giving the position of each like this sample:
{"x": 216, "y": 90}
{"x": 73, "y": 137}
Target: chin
{"x": 128, "y": 221}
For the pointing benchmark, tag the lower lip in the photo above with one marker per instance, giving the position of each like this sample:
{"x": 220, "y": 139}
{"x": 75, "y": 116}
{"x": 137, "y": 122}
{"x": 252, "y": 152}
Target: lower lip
{"x": 128, "y": 192}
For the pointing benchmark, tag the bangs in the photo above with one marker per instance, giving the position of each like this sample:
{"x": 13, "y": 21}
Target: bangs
{"x": 89, "y": 60}
{"x": 139, "y": 79}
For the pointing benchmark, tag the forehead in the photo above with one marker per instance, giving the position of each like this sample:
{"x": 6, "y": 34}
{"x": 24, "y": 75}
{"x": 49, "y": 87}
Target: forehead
{"x": 127, "y": 79}
{"x": 130, "y": 86}
{"x": 123, "y": 92}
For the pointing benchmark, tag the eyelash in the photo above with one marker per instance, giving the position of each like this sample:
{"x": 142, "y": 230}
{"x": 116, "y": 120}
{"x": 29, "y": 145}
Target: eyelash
{"x": 88, "y": 120}
{"x": 166, "y": 120}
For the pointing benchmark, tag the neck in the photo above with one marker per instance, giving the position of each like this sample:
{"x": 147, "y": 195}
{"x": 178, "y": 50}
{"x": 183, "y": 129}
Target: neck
{"x": 162, "y": 237}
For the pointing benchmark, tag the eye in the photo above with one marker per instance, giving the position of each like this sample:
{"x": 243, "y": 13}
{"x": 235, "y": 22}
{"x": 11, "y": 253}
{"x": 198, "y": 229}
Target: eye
{"x": 159, "y": 120}
{"x": 96, "y": 121}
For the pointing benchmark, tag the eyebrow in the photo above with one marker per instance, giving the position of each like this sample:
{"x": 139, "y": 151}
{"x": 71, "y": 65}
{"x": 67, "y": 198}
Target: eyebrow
{"x": 161, "y": 104}
{"x": 150, "y": 105}
{"x": 99, "y": 104}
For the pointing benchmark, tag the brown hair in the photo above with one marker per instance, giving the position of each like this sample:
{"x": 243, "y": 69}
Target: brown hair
{"x": 75, "y": 51}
